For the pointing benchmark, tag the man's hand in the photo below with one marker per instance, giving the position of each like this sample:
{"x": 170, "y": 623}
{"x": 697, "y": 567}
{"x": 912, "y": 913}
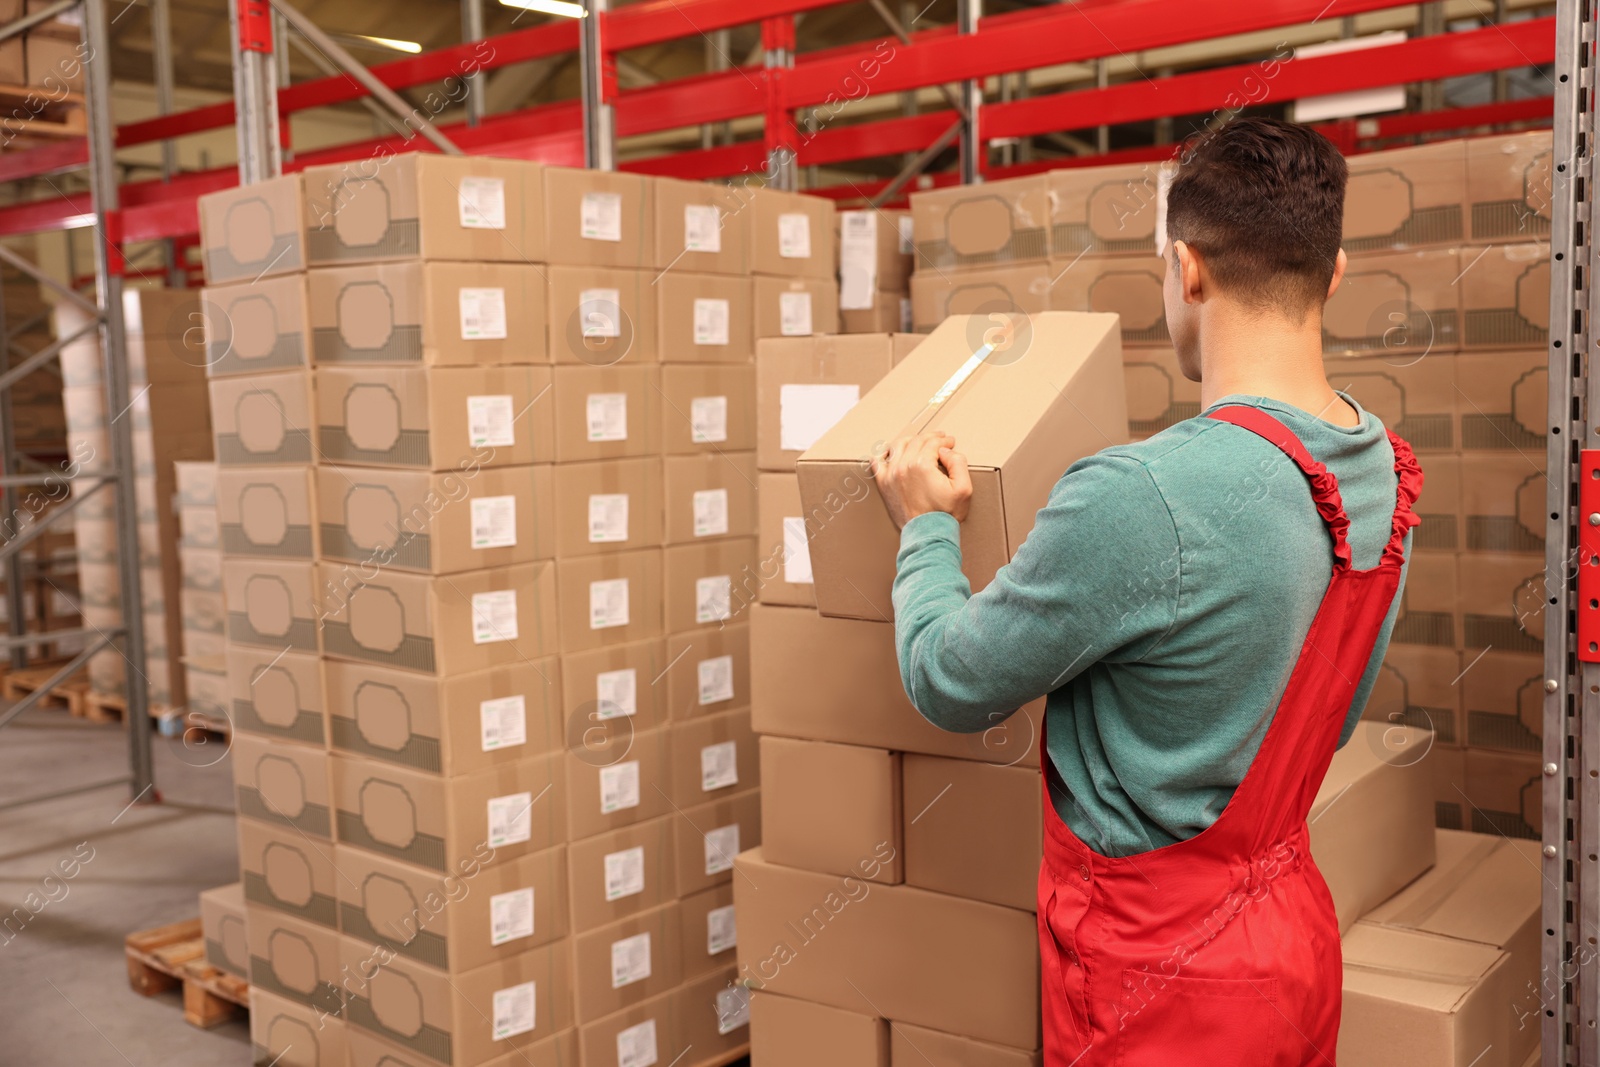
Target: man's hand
{"x": 922, "y": 474}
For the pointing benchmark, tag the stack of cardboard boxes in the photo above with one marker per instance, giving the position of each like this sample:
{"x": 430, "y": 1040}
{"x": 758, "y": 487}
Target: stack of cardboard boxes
{"x": 874, "y": 271}
{"x": 49, "y": 56}
{"x": 205, "y": 665}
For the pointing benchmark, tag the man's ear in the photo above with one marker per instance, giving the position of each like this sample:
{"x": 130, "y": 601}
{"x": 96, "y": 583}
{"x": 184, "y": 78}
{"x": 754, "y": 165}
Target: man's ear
{"x": 1339, "y": 262}
{"x": 1189, "y": 283}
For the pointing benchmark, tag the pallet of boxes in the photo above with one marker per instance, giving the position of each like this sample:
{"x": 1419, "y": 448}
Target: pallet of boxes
{"x": 42, "y": 76}
{"x": 874, "y": 271}
{"x": 204, "y": 646}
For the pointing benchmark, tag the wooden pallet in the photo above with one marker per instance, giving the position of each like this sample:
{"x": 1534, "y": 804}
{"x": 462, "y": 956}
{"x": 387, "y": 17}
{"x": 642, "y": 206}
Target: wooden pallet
{"x": 30, "y": 115}
{"x": 161, "y": 959}
{"x": 73, "y": 694}
{"x": 113, "y": 705}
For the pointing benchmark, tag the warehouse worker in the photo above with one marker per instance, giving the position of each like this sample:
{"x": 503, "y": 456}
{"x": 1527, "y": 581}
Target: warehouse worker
{"x": 1206, "y": 611}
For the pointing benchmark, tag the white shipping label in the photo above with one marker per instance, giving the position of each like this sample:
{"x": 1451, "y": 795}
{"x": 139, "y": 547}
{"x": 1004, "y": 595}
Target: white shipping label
{"x": 794, "y": 314}
{"x": 514, "y": 1010}
{"x": 510, "y": 819}
{"x": 722, "y": 844}
{"x": 710, "y": 512}
{"x": 794, "y": 236}
{"x": 719, "y": 766}
{"x": 503, "y": 722}
{"x": 713, "y": 598}
{"x": 720, "y": 932}
{"x": 601, "y": 216}
{"x": 511, "y": 916}
{"x": 636, "y": 1046}
{"x": 858, "y": 259}
{"x": 710, "y": 321}
{"x": 702, "y": 228}
{"x": 806, "y": 412}
{"x": 483, "y": 314}
{"x": 716, "y": 679}
{"x": 600, "y": 312}
{"x": 906, "y": 231}
{"x": 481, "y": 203}
{"x": 630, "y": 960}
{"x": 608, "y": 603}
{"x": 494, "y": 616}
{"x": 708, "y": 419}
{"x": 796, "y": 551}
{"x": 608, "y": 517}
{"x": 608, "y": 416}
{"x": 624, "y": 873}
{"x": 617, "y": 693}
{"x": 619, "y": 787}
{"x": 733, "y": 1009}
{"x": 494, "y": 521}
{"x": 490, "y": 421}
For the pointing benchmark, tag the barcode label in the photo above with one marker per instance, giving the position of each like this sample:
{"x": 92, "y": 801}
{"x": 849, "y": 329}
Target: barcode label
{"x": 624, "y": 873}
{"x": 511, "y": 916}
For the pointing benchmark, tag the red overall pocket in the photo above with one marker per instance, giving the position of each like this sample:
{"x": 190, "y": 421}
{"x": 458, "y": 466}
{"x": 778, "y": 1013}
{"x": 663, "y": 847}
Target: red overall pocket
{"x": 1185, "y": 1019}
{"x": 1065, "y": 998}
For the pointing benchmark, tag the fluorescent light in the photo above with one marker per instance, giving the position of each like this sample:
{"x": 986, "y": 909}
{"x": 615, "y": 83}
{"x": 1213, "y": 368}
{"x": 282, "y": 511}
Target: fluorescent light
{"x": 564, "y": 8}
{"x": 390, "y": 43}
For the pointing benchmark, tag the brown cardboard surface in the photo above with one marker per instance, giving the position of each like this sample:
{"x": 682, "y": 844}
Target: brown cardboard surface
{"x": 609, "y": 600}
{"x": 433, "y": 418}
{"x": 164, "y": 347}
{"x": 792, "y": 236}
{"x": 832, "y": 808}
{"x": 802, "y": 384}
{"x": 1005, "y": 290}
{"x": 621, "y": 873}
{"x": 618, "y": 965}
{"x": 287, "y": 1034}
{"x": 982, "y": 225}
{"x": 1422, "y": 687}
{"x": 1428, "y": 614}
{"x": 427, "y": 206}
{"x": 709, "y": 836}
{"x": 251, "y": 231}
{"x": 255, "y": 327}
{"x": 1415, "y": 397}
{"x": 1159, "y": 395}
{"x": 646, "y": 1032}
{"x": 459, "y": 724}
{"x": 876, "y": 250}
{"x": 1504, "y": 793}
{"x": 222, "y": 924}
{"x": 617, "y": 777}
{"x": 699, "y": 581}
{"x": 859, "y": 700}
{"x": 451, "y": 1019}
{"x": 196, "y": 482}
{"x": 366, "y": 1050}
{"x": 1503, "y": 693}
{"x": 294, "y": 959}
{"x": 1104, "y": 210}
{"x": 436, "y": 522}
{"x": 1503, "y": 503}
{"x": 603, "y": 316}
{"x": 886, "y": 313}
{"x": 445, "y": 625}
{"x": 1018, "y": 420}
{"x": 1128, "y": 288}
{"x": 795, "y": 307}
{"x": 605, "y": 412}
{"x": 607, "y": 506}
{"x": 282, "y": 868}
{"x": 923, "y": 957}
{"x": 1414, "y": 998}
{"x": 1396, "y": 303}
{"x": 1509, "y": 186}
{"x": 1380, "y": 776}
{"x": 704, "y": 318}
{"x": 783, "y": 555}
{"x": 438, "y": 314}
{"x": 599, "y": 218}
{"x": 1406, "y": 197}
{"x": 789, "y": 1032}
{"x": 1503, "y": 604}
{"x": 707, "y": 409}
{"x": 13, "y": 62}
{"x": 271, "y": 603}
{"x": 492, "y": 816}
{"x": 1451, "y": 806}
{"x": 910, "y": 1045}
{"x": 469, "y": 917}
{"x": 708, "y": 496}
{"x": 613, "y": 682}
{"x": 267, "y": 511}
{"x": 283, "y": 783}
{"x": 973, "y": 829}
{"x": 1503, "y": 400}
{"x": 706, "y": 922}
{"x": 1505, "y": 295}
{"x": 715, "y": 1013}
{"x": 713, "y": 756}
{"x": 708, "y": 671}
{"x": 276, "y": 694}
{"x": 701, "y": 227}
{"x": 1439, "y": 507}
{"x": 262, "y": 420}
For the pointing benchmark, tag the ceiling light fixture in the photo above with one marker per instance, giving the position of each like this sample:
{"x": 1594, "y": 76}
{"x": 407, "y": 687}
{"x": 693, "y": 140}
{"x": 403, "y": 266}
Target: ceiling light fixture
{"x": 389, "y": 42}
{"x": 564, "y": 8}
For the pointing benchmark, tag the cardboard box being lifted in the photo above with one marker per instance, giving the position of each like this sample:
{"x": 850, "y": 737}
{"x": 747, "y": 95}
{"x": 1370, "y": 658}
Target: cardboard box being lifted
{"x": 1014, "y": 396}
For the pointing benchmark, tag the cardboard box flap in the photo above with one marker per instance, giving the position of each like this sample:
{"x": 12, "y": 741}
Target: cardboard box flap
{"x": 1482, "y": 888}
{"x": 1434, "y": 973}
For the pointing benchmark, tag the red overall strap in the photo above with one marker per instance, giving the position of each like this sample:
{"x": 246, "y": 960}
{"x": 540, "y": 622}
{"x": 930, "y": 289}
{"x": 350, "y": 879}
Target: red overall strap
{"x": 1324, "y": 487}
{"x": 1409, "y": 473}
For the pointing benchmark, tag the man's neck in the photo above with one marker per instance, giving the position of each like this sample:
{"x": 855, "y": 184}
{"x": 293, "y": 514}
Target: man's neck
{"x": 1267, "y": 355}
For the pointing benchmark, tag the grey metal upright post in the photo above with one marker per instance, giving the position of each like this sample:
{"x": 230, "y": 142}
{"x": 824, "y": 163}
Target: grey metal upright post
{"x": 16, "y": 600}
{"x": 472, "y": 30}
{"x": 1102, "y": 79}
{"x": 161, "y": 56}
{"x": 255, "y": 90}
{"x": 599, "y": 120}
{"x": 968, "y": 12}
{"x": 113, "y": 346}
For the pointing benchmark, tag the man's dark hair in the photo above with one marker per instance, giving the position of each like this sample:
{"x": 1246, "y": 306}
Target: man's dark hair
{"x": 1262, "y": 201}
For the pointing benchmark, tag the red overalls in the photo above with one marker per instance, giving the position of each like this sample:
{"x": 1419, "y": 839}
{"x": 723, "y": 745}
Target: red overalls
{"x": 1223, "y": 950}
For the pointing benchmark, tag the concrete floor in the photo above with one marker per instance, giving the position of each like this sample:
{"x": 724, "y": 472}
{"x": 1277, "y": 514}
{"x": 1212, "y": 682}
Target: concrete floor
{"x": 63, "y": 981}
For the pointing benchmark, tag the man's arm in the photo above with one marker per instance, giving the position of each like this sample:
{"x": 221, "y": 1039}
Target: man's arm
{"x": 1097, "y": 576}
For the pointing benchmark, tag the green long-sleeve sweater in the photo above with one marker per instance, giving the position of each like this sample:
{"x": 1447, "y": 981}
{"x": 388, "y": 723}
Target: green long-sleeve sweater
{"x": 1160, "y": 602}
